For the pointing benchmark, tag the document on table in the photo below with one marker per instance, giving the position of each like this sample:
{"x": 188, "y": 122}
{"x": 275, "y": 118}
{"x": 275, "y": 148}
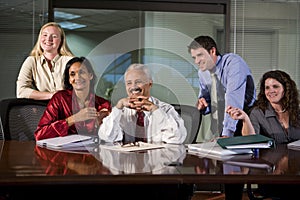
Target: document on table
{"x": 215, "y": 151}
{"x": 294, "y": 145}
{"x": 136, "y": 146}
{"x": 65, "y": 142}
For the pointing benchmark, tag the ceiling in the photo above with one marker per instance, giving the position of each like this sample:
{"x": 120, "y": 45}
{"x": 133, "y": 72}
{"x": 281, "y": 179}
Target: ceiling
{"x": 104, "y": 20}
{"x": 20, "y": 14}
{"x": 29, "y": 14}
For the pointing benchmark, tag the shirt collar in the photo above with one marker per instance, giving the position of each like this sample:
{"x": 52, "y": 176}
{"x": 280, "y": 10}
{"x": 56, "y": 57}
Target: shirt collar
{"x": 218, "y": 66}
{"x": 91, "y": 97}
{"x": 55, "y": 59}
{"x": 270, "y": 111}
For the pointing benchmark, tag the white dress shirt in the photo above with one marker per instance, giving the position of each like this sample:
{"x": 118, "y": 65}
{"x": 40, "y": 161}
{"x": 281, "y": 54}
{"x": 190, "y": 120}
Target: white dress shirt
{"x": 161, "y": 125}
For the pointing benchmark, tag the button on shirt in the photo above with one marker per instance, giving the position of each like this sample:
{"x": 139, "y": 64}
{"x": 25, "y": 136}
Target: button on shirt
{"x": 235, "y": 76}
{"x": 36, "y": 75}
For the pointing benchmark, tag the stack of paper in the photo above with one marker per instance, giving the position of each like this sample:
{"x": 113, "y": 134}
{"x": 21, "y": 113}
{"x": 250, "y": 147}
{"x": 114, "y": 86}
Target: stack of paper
{"x": 69, "y": 141}
{"x": 215, "y": 151}
{"x": 137, "y": 146}
{"x": 294, "y": 145}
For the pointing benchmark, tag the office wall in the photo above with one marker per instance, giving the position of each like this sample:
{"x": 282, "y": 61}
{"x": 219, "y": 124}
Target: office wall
{"x": 14, "y": 49}
{"x": 260, "y": 30}
{"x": 267, "y": 35}
{"x": 82, "y": 43}
{"x": 17, "y": 46}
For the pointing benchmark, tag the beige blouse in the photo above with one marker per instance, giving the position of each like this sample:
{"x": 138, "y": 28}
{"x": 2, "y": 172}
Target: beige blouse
{"x": 36, "y": 75}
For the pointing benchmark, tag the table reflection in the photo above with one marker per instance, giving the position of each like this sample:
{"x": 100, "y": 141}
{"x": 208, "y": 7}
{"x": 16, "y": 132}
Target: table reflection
{"x": 154, "y": 161}
{"x": 276, "y": 161}
{"x": 62, "y": 163}
{"x": 202, "y": 165}
{"x": 172, "y": 159}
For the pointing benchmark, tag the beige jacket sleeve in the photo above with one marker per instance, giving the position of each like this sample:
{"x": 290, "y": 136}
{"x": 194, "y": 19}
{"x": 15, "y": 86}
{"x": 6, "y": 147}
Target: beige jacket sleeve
{"x": 25, "y": 78}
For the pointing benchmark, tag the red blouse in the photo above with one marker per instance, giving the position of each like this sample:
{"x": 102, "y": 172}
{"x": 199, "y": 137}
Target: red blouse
{"x": 61, "y": 106}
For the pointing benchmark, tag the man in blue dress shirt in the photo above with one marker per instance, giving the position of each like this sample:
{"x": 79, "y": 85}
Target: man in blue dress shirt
{"x": 236, "y": 85}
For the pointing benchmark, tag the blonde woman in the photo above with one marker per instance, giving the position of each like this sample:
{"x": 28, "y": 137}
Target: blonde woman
{"x": 41, "y": 74}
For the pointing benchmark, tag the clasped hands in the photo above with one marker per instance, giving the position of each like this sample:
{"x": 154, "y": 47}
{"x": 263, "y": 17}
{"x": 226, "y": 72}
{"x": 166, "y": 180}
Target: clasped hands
{"x": 139, "y": 103}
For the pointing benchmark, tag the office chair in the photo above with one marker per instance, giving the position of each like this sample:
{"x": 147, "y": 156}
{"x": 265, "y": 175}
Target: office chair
{"x": 1, "y": 130}
{"x": 192, "y": 120}
{"x": 20, "y": 117}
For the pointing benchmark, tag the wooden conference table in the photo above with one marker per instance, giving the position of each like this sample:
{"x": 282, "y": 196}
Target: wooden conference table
{"x": 27, "y": 170}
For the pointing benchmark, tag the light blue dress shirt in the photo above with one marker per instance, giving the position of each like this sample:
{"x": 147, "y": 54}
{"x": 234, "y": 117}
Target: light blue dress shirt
{"x": 237, "y": 80}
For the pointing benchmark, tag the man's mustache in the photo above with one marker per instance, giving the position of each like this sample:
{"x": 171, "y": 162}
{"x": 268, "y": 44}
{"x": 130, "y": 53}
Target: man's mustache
{"x": 137, "y": 89}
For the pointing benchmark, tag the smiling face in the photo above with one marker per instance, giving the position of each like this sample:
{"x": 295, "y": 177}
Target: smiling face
{"x": 137, "y": 83}
{"x": 50, "y": 39}
{"x": 274, "y": 90}
{"x": 79, "y": 76}
{"x": 204, "y": 60}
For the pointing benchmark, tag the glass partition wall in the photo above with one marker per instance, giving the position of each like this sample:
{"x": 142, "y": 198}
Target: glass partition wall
{"x": 266, "y": 33}
{"x": 115, "y": 34}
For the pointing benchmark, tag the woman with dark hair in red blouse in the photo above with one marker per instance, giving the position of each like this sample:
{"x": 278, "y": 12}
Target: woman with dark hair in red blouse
{"x": 76, "y": 109}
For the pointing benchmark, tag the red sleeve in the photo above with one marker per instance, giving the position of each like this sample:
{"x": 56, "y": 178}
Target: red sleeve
{"x": 102, "y": 103}
{"x": 53, "y": 123}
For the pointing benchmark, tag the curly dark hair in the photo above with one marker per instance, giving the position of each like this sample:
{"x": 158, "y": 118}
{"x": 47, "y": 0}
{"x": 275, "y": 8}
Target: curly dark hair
{"x": 290, "y": 100}
{"x": 84, "y": 61}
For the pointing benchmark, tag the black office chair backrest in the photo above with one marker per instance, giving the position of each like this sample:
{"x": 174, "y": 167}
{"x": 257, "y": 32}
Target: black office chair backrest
{"x": 192, "y": 120}
{"x": 1, "y": 130}
{"x": 20, "y": 117}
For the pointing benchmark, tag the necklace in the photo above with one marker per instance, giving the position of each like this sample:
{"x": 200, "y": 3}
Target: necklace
{"x": 82, "y": 104}
{"x": 280, "y": 111}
